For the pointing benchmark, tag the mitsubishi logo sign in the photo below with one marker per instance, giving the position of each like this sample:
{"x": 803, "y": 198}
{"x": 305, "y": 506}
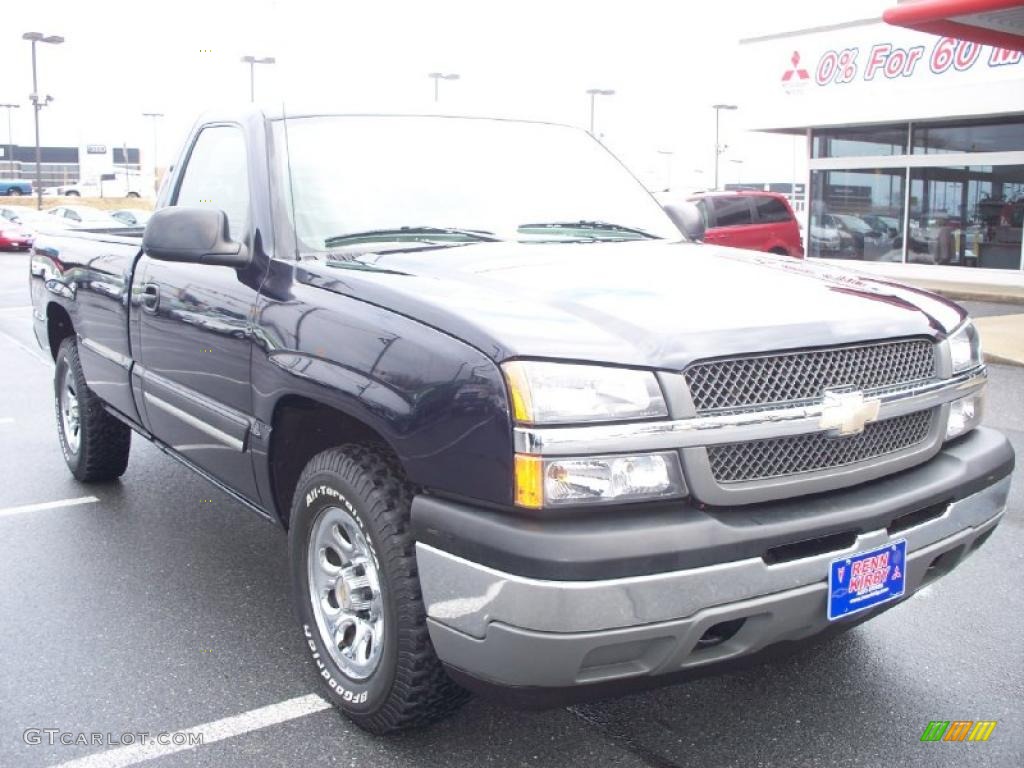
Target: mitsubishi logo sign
{"x": 796, "y": 69}
{"x": 846, "y": 413}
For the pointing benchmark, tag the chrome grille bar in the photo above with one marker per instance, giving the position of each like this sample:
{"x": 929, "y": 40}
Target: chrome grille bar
{"x": 728, "y": 427}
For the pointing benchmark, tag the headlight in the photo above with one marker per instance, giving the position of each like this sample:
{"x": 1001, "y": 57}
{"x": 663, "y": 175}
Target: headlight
{"x": 965, "y": 414}
{"x": 548, "y": 482}
{"x": 552, "y": 393}
{"x": 965, "y": 348}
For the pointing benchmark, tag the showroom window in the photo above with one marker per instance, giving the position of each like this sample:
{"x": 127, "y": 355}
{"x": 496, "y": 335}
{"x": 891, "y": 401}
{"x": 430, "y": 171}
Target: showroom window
{"x": 863, "y": 141}
{"x": 967, "y": 216}
{"x": 994, "y": 136}
{"x": 857, "y": 214}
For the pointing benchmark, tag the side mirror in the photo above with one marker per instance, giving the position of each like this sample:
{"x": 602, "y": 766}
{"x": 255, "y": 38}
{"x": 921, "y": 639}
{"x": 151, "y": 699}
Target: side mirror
{"x": 193, "y": 235}
{"x": 688, "y": 218}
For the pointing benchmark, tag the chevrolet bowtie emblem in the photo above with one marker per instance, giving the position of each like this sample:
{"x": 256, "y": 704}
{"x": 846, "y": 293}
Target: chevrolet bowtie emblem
{"x": 846, "y": 413}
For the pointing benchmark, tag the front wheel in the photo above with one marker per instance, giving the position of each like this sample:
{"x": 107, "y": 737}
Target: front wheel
{"x": 353, "y": 566}
{"x": 94, "y": 443}
{"x": 14, "y": 192}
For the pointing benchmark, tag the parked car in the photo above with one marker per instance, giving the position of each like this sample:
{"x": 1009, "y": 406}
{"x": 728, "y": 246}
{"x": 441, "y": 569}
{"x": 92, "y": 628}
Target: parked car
{"x": 15, "y": 187}
{"x": 532, "y": 442}
{"x": 118, "y": 184}
{"x": 82, "y": 217}
{"x": 14, "y": 236}
{"x": 758, "y": 221}
{"x": 825, "y": 241}
{"x": 132, "y": 217}
{"x": 861, "y": 241}
{"x": 28, "y": 218}
{"x": 884, "y": 225}
{"x": 13, "y": 215}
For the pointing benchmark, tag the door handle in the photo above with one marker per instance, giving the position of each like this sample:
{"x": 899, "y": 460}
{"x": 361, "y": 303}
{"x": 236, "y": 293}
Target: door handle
{"x": 150, "y": 298}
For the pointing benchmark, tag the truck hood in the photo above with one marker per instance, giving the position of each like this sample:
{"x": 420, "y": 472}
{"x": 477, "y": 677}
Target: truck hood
{"x": 640, "y": 303}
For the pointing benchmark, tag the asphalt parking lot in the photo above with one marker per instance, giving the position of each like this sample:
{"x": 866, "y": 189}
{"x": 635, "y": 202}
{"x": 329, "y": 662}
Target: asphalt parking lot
{"x": 158, "y": 604}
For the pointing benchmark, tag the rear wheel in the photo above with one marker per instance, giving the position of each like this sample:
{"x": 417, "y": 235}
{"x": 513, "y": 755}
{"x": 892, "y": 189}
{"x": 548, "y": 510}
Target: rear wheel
{"x": 353, "y": 566}
{"x": 14, "y": 192}
{"x": 95, "y": 444}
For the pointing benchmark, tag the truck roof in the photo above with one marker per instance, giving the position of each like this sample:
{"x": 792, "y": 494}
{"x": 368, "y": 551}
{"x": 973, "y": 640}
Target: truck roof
{"x": 267, "y": 111}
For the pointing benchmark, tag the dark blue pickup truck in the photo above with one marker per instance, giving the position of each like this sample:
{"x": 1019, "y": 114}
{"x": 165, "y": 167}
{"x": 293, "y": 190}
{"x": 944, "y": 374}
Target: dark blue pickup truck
{"x": 525, "y": 437}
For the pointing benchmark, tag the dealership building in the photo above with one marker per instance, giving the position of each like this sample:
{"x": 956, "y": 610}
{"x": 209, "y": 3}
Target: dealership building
{"x": 915, "y": 140}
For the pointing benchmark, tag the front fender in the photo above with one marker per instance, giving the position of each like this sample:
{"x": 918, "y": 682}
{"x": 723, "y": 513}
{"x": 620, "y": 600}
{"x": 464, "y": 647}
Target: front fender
{"x": 439, "y": 403}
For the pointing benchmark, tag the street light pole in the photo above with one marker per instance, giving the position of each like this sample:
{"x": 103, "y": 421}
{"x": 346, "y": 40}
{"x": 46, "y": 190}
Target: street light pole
{"x": 719, "y": 149}
{"x": 437, "y": 77}
{"x": 10, "y": 139}
{"x": 252, "y": 61}
{"x": 155, "y": 116}
{"x": 39, "y": 37}
{"x": 594, "y": 93}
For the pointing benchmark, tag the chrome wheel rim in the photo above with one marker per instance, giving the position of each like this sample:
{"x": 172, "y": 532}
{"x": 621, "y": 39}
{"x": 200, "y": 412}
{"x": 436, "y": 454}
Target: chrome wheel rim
{"x": 70, "y": 420}
{"x": 345, "y": 591}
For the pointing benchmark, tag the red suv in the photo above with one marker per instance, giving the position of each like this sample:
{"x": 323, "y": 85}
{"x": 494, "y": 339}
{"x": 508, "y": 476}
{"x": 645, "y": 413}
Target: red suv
{"x": 757, "y": 221}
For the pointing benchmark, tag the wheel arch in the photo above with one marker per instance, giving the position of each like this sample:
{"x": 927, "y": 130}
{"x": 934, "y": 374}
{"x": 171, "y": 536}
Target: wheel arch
{"x": 302, "y": 427}
{"x": 58, "y": 326}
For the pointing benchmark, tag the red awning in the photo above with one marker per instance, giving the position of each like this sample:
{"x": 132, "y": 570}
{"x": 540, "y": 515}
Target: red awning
{"x": 992, "y": 22}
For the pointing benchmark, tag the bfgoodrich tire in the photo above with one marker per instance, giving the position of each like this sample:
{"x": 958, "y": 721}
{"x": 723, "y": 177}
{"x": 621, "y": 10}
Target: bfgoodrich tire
{"x": 94, "y": 443}
{"x": 355, "y": 584}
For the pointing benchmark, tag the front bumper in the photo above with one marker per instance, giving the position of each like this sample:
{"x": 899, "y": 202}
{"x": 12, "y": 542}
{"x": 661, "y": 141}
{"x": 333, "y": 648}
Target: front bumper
{"x": 521, "y": 631}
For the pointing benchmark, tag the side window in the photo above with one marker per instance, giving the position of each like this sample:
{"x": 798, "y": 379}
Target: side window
{"x": 216, "y": 176}
{"x": 69, "y": 214}
{"x": 732, "y": 211}
{"x": 771, "y": 209}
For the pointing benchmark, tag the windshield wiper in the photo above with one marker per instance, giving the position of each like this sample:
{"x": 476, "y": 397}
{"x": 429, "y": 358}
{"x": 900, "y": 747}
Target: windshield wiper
{"x": 423, "y": 234}
{"x": 586, "y": 225}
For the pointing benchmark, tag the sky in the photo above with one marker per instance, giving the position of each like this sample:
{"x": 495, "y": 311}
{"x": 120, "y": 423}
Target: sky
{"x": 668, "y": 62}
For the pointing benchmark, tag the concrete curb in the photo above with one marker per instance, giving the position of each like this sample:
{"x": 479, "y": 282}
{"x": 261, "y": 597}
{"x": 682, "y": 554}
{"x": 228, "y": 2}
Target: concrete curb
{"x": 1002, "y": 360}
{"x": 960, "y": 295}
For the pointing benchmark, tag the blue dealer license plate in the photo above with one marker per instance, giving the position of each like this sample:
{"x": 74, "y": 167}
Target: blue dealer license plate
{"x": 864, "y": 580}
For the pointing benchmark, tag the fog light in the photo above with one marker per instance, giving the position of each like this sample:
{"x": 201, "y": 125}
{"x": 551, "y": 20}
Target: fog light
{"x": 597, "y": 479}
{"x": 964, "y": 415}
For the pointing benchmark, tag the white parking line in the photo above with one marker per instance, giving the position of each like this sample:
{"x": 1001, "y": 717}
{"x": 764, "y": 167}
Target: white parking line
{"x": 218, "y": 730}
{"x": 26, "y": 349}
{"x": 11, "y": 511}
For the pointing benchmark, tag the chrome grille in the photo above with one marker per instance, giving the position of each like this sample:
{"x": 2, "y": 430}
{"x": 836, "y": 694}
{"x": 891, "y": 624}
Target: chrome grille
{"x": 783, "y": 456}
{"x": 792, "y": 377}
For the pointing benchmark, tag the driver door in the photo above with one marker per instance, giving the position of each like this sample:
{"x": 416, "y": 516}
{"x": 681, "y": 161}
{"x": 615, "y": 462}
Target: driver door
{"x": 194, "y": 326}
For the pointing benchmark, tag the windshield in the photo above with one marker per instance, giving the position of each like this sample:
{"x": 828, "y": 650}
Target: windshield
{"x": 356, "y": 179}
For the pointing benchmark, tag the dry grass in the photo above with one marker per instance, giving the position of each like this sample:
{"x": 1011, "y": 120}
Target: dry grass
{"x": 103, "y": 203}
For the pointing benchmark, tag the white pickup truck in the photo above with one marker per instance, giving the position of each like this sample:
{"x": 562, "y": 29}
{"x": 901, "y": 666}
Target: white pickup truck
{"x": 116, "y": 184}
